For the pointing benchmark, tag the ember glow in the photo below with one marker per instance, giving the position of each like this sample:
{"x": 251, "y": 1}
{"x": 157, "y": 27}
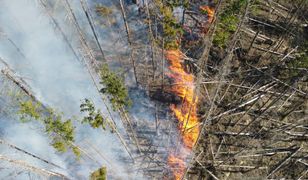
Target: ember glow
{"x": 177, "y": 165}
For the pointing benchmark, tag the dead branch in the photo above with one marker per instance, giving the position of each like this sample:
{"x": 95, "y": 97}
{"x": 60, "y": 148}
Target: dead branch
{"x": 36, "y": 170}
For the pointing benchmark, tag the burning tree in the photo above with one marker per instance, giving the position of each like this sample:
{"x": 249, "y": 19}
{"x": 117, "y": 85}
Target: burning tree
{"x": 233, "y": 74}
{"x": 235, "y": 82}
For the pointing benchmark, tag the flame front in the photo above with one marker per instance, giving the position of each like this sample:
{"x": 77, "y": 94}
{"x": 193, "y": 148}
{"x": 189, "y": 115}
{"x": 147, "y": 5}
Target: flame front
{"x": 184, "y": 87}
{"x": 186, "y": 113}
{"x": 177, "y": 165}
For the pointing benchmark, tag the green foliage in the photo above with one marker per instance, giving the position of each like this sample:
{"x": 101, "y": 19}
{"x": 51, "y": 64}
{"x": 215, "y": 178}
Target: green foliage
{"x": 171, "y": 29}
{"x": 61, "y": 132}
{"x": 59, "y": 146}
{"x": 93, "y": 117}
{"x": 301, "y": 62}
{"x": 76, "y": 151}
{"x": 28, "y": 110}
{"x": 221, "y": 37}
{"x": 256, "y": 8}
{"x": 228, "y": 22}
{"x": 100, "y": 174}
{"x": 114, "y": 88}
{"x": 176, "y": 3}
{"x": 234, "y": 7}
{"x": 63, "y": 129}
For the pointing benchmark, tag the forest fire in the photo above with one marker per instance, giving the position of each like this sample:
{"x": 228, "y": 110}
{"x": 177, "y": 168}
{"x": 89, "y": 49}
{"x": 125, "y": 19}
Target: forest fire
{"x": 177, "y": 165}
{"x": 186, "y": 112}
{"x": 210, "y": 12}
{"x": 184, "y": 87}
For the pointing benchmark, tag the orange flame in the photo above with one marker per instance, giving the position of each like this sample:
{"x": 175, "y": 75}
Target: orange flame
{"x": 184, "y": 87}
{"x": 186, "y": 113}
{"x": 177, "y": 165}
{"x": 210, "y": 12}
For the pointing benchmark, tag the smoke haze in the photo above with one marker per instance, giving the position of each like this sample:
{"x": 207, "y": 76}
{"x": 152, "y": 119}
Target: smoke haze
{"x": 59, "y": 80}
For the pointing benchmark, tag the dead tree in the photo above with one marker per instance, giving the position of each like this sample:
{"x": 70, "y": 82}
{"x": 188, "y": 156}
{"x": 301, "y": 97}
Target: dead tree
{"x": 90, "y": 21}
{"x": 129, "y": 40}
{"x": 28, "y": 153}
{"x": 20, "y": 83}
{"x": 34, "y": 169}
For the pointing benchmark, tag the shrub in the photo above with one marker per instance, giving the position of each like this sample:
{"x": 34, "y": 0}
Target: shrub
{"x": 171, "y": 29}
{"x": 93, "y": 117}
{"x": 100, "y": 174}
{"x": 228, "y": 22}
{"x": 114, "y": 88}
{"x": 61, "y": 132}
{"x": 28, "y": 109}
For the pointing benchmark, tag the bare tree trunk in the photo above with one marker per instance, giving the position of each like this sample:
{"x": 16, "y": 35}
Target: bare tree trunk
{"x": 132, "y": 56}
{"x": 282, "y": 163}
{"x": 152, "y": 41}
{"x": 90, "y": 20}
{"x": 43, "y": 4}
{"x": 82, "y": 38}
{"x": 20, "y": 84}
{"x": 28, "y": 153}
{"x": 14, "y": 44}
{"x": 31, "y": 168}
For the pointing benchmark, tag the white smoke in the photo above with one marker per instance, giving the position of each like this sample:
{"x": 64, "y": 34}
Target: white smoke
{"x": 59, "y": 80}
